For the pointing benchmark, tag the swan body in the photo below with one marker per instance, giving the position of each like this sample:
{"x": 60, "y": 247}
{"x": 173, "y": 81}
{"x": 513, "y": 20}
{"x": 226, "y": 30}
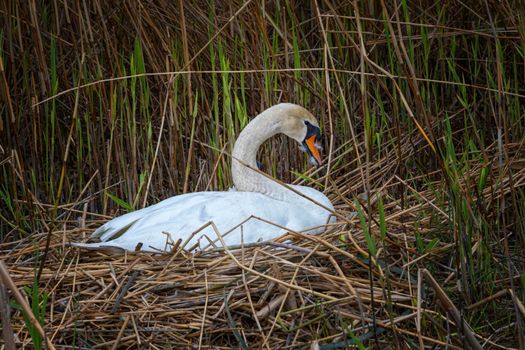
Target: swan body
{"x": 159, "y": 226}
{"x": 258, "y": 209}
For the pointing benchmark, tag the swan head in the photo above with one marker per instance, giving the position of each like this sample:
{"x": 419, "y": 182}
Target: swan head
{"x": 300, "y": 125}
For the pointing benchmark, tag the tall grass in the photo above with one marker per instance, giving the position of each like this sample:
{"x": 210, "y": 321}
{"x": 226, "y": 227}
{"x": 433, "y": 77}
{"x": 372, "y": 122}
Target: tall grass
{"x": 436, "y": 86}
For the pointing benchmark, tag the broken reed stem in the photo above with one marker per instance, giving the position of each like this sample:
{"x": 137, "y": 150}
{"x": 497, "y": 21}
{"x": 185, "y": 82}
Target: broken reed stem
{"x": 5, "y": 311}
{"x": 451, "y": 309}
{"x": 8, "y": 282}
{"x": 121, "y": 333}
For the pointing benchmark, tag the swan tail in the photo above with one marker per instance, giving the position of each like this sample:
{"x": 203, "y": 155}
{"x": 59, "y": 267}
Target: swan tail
{"x": 99, "y": 246}
{"x": 107, "y": 232}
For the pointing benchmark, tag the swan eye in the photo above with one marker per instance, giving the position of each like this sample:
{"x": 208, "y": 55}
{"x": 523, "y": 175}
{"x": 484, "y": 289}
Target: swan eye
{"x": 312, "y": 130}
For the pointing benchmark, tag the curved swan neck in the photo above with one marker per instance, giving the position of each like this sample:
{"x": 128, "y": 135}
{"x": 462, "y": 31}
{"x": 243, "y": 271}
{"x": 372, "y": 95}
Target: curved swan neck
{"x": 261, "y": 128}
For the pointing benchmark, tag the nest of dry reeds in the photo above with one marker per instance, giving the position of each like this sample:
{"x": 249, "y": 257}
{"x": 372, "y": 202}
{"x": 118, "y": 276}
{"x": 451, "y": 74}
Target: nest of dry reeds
{"x": 301, "y": 291}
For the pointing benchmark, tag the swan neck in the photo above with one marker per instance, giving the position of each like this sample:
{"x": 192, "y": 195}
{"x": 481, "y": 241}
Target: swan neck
{"x": 252, "y": 137}
{"x": 261, "y": 128}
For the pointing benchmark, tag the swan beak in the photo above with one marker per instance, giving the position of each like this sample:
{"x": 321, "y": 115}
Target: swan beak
{"x": 312, "y": 147}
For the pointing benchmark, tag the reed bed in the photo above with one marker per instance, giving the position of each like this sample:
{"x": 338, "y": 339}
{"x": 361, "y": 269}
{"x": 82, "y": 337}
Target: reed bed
{"x": 108, "y": 107}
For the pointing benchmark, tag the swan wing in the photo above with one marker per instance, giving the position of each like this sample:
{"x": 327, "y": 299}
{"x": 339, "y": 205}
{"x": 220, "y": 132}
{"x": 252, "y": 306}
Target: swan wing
{"x": 178, "y": 218}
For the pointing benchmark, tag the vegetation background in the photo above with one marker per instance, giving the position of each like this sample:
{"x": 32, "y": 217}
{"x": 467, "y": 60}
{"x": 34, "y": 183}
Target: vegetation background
{"x": 108, "y": 106}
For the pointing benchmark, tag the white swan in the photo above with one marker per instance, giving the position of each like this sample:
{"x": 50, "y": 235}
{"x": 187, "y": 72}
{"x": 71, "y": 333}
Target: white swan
{"x": 158, "y": 227}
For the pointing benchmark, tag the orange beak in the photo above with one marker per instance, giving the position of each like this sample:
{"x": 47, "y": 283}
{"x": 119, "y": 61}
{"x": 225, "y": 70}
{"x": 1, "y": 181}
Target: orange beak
{"x": 310, "y": 142}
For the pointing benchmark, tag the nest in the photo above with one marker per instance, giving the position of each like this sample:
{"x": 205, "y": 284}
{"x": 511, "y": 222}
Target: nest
{"x": 301, "y": 291}
{"x": 278, "y": 294}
